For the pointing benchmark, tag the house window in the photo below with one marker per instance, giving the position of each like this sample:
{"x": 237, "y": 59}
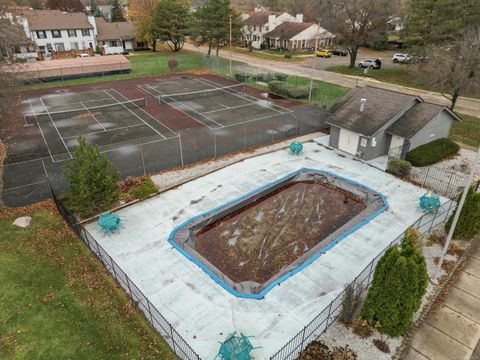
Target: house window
{"x": 41, "y": 35}
{"x": 42, "y": 49}
{"x": 56, "y": 34}
{"x": 72, "y": 33}
{"x": 49, "y": 47}
{"x": 266, "y": 28}
{"x": 112, "y": 43}
{"x": 85, "y": 32}
{"x": 74, "y": 45}
{"x": 363, "y": 142}
{"x": 83, "y": 45}
{"x": 59, "y": 47}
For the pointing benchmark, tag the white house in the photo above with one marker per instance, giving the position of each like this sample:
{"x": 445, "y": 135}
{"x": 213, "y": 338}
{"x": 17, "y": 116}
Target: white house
{"x": 293, "y": 35}
{"x": 116, "y": 37}
{"x": 53, "y": 30}
{"x": 19, "y": 46}
{"x": 257, "y": 24}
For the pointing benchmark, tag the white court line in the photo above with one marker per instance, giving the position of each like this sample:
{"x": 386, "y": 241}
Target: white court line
{"x": 212, "y": 83}
{"x": 94, "y": 118}
{"x": 228, "y": 108}
{"x": 58, "y": 132}
{"x": 80, "y": 102}
{"x": 188, "y": 107}
{"x": 138, "y": 117}
{"x": 101, "y": 132}
{"x": 41, "y": 132}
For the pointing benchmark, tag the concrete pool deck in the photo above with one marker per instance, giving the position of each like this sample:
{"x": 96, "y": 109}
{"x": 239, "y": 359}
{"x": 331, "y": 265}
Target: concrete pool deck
{"x": 200, "y": 309}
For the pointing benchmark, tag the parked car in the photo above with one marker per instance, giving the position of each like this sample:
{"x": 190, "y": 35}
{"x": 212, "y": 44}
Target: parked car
{"x": 400, "y": 58}
{"x": 370, "y": 64}
{"x": 340, "y": 52}
{"x": 323, "y": 53}
{"x": 83, "y": 55}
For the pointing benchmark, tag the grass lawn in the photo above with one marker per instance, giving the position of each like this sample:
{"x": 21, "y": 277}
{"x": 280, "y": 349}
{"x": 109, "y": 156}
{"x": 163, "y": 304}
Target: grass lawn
{"x": 466, "y": 131}
{"x": 264, "y": 55}
{"x": 432, "y": 152}
{"x": 59, "y": 303}
{"x": 293, "y": 52}
{"x": 401, "y": 75}
{"x": 143, "y": 64}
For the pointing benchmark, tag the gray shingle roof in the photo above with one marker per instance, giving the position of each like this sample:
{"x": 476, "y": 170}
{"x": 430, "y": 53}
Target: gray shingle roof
{"x": 287, "y": 30}
{"x": 114, "y": 30}
{"x": 57, "y": 20}
{"x": 257, "y": 18}
{"x": 381, "y": 106}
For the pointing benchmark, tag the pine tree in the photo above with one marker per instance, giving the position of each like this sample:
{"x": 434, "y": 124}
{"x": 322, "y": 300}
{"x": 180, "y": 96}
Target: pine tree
{"x": 93, "y": 180}
{"x": 171, "y": 21}
{"x": 468, "y": 224}
{"x": 94, "y": 9}
{"x": 399, "y": 283}
{"x": 116, "y": 12}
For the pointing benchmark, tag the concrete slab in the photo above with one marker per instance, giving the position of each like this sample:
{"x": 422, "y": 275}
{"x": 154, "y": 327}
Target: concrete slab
{"x": 473, "y": 267}
{"x": 457, "y": 326}
{"x": 435, "y": 345}
{"x": 415, "y": 355}
{"x": 469, "y": 283}
{"x": 464, "y": 303}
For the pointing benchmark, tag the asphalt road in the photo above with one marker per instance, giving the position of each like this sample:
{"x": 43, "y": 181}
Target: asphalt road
{"x": 469, "y": 106}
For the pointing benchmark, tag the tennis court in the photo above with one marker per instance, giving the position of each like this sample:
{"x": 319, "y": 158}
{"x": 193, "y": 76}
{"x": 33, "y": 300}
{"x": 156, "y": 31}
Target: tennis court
{"x": 103, "y": 117}
{"x": 213, "y": 104}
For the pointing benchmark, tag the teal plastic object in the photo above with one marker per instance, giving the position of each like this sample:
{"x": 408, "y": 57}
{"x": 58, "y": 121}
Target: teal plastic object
{"x": 429, "y": 202}
{"x": 236, "y": 347}
{"x": 296, "y": 147}
{"x": 109, "y": 221}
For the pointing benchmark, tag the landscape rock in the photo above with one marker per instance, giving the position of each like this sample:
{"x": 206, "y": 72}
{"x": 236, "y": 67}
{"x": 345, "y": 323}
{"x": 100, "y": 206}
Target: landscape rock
{"x": 23, "y": 221}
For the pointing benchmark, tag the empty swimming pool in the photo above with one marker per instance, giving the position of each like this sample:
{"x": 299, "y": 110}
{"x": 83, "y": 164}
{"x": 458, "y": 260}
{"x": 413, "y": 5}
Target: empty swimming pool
{"x": 253, "y": 243}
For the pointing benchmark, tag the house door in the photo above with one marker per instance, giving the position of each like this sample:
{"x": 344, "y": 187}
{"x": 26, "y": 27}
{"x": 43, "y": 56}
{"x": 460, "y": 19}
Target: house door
{"x": 396, "y": 146}
{"x": 348, "y": 141}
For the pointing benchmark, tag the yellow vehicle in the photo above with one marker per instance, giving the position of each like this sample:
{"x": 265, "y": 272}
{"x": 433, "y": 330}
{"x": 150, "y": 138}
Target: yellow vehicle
{"x": 323, "y": 53}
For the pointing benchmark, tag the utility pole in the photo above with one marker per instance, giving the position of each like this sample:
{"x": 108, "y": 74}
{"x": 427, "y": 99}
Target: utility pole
{"x": 457, "y": 215}
{"x": 313, "y": 70}
{"x": 230, "y": 25}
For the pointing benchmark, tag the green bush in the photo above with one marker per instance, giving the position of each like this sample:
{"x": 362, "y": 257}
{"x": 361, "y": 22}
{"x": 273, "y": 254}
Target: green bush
{"x": 399, "y": 283}
{"x": 280, "y": 76}
{"x": 144, "y": 189}
{"x": 241, "y": 77}
{"x": 257, "y": 77}
{"x": 296, "y": 92}
{"x": 268, "y": 77}
{"x": 287, "y": 56}
{"x": 98, "y": 50}
{"x": 432, "y": 152}
{"x": 399, "y": 167}
{"x": 468, "y": 224}
{"x": 93, "y": 180}
{"x": 276, "y": 86}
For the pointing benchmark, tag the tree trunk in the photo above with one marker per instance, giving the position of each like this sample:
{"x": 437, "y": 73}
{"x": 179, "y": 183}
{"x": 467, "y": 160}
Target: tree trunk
{"x": 209, "y": 47}
{"x": 250, "y": 46}
{"x": 217, "y": 50}
{"x": 353, "y": 56}
{"x": 455, "y": 95}
{"x": 154, "y": 44}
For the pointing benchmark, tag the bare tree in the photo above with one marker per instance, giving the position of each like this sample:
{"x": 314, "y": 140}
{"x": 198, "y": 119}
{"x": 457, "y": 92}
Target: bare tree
{"x": 356, "y": 22}
{"x": 248, "y": 31}
{"x": 454, "y": 69}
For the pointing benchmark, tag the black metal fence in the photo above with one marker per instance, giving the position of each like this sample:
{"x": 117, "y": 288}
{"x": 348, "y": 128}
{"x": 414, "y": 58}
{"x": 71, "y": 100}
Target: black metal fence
{"x": 448, "y": 183}
{"x": 177, "y": 343}
{"x": 360, "y": 284}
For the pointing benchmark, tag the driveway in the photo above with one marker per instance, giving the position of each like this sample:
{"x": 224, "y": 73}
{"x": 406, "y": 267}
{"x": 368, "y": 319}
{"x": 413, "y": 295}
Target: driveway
{"x": 363, "y": 53}
{"x": 469, "y": 106}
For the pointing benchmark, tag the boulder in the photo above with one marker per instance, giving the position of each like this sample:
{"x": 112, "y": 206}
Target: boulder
{"x": 23, "y": 221}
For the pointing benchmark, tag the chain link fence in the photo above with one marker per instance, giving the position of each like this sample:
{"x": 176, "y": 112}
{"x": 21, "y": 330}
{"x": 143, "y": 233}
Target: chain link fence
{"x": 360, "y": 284}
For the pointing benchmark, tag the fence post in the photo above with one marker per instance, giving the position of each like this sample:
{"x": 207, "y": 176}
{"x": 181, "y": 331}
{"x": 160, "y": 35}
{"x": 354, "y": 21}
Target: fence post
{"x": 173, "y": 339}
{"x": 303, "y": 338}
{"x": 214, "y": 142}
{"x": 369, "y": 273}
{"x": 245, "y": 136}
{"x": 129, "y": 288}
{"x": 141, "y": 155}
{"x": 150, "y": 312}
{"x": 433, "y": 219}
{"x": 426, "y": 176}
{"x": 180, "y": 144}
{"x": 448, "y": 185}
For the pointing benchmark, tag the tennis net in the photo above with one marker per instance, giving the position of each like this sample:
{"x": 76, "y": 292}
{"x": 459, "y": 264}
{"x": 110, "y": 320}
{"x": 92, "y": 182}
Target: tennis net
{"x": 195, "y": 95}
{"x": 83, "y": 110}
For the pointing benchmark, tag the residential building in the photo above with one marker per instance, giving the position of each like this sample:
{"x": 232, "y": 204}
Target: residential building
{"x": 53, "y": 30}
{"x": 260, "y": 22}
{"x": 298, "y": 35}
{"x": 116, "y": 37}
{"x": 370, "y": 122}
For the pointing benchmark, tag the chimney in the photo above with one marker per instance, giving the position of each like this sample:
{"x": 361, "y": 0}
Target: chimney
{"x": 362, "y": 105}
{"x": 271, "y": 18}
{"x": 299, "y": 18}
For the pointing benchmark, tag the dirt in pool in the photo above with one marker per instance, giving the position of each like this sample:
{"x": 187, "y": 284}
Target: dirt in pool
{"x": 257, "y": 241}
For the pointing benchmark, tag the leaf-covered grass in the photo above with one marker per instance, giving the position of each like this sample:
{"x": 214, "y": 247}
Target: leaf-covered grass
{"x": 432, "y": 152}
{"x": 144, "y": 189}
{"x": 265, "y": 55}
{"x": 59, "y": 303}
{"x": 466, "y": 131}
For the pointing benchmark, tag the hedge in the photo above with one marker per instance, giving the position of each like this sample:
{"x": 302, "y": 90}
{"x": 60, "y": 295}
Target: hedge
{"x": 468, "y": 224}
{"x": 432, "y": 152}
{"x": 399, "y": 167}
{"x": 241, "y": 77}
{"x": 280, "y": 76}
